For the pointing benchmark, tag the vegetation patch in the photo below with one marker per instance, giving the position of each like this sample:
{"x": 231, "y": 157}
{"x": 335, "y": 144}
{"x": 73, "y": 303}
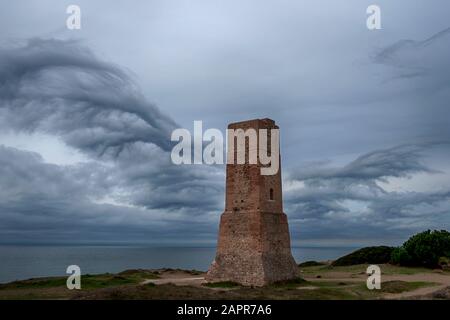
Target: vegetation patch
{"x": 222, "y": 284}
{"x": 192, "y": 272}
{"x": 139, "y": 274}
{"x": 195, "y": 272}
{"x": 292, "y": 283}
{"x": 401, "y": 286}
{"x": 311, "y": 264}
{"x": 443, "y": 294}
{"x": 88, "y": 281}
{"x": 35, "y": 283}
{"x": 368, "y": 255}
{"x": 105, "y": 280}
{"x": 429, "y": 249}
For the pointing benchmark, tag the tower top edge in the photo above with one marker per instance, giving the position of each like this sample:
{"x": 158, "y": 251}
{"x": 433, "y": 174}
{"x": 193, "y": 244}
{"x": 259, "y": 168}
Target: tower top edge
{"x": 265, "y": 122}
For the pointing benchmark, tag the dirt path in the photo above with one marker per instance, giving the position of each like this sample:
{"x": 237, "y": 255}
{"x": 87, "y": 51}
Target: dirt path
{"x": 177, "y": 281}
{"x": 178, "y": 278}
{"x": 442, "y": 281}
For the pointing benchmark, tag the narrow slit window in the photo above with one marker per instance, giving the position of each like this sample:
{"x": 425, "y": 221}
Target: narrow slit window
{"x": 271, "y": 194}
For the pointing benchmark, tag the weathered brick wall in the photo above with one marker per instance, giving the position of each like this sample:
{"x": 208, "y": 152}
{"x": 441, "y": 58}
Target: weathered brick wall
{"x": 254, "y": 244}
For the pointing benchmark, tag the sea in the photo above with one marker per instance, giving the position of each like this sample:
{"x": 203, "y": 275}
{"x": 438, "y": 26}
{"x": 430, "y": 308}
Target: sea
{"x": 19, "y": 262}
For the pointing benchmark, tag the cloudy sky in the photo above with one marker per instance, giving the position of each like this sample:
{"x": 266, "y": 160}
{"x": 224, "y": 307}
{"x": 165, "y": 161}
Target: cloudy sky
{"x": 86, "y": 116}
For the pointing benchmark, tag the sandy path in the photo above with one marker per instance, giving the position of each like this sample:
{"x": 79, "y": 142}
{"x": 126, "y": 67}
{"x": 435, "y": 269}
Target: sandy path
{"x": 177, "y": 281}
{"x": 178, "y": 278}
{"x": 443, "y": 281}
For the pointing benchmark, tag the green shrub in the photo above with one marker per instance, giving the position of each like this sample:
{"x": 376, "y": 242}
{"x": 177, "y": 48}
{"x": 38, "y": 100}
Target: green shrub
{"x": 222, "y": 284}
{"x": 310, "y": 264}
{"x": 291, "y": 283}
{"x": 444, "y": 261}
{"x": 380, "y": 254}
{"x": 400, "y": 256}
{"x": 423, "y": 249}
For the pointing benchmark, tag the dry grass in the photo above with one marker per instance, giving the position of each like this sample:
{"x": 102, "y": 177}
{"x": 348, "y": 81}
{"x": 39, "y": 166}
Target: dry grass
{"x": 128, "y": 285}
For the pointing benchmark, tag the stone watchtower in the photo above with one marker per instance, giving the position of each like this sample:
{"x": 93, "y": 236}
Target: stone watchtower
{"x": 254, "y": 244}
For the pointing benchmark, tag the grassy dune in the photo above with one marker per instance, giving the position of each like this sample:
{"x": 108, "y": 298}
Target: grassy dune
{"x": 387, "y": 269}
{"x": 317, "y": 282}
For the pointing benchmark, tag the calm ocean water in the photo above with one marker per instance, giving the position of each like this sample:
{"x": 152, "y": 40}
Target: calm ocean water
{"x": 23, "y": 262}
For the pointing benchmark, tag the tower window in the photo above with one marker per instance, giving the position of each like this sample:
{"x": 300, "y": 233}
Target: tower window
{"x": 271, "y": 194}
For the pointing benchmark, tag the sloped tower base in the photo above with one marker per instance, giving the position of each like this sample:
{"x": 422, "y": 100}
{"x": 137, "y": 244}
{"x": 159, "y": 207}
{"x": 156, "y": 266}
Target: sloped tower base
{"x": 253, "y": 249}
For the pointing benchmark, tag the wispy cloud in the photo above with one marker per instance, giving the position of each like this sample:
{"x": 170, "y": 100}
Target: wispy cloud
{"x": 426, "y": 60}
{"x": 223, "y": 63}
{"x": 350, "y": 201}
{"x": 60, "y": 87}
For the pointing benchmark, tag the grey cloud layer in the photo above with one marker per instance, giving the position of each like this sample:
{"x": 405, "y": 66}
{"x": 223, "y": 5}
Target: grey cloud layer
{"x": 426, "y": 58}
{"x": 350, "y": 201}
{"x": 60, "y": 87}
{"x": 394, "y": 162}
{"x": 337, "y": 90}
{"x": 152, "y": 198}
{"x": 41, "y": 202}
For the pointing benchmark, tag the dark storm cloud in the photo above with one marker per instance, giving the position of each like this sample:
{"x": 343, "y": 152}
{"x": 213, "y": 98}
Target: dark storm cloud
{"x": 394, "y": 162}
{"x": 316, "y": 70}
{"x": 43, "y": 196}
{"x": 155, "y": 182}
{"x": 349, "y": 201}
{"x": 420, "y": 72}
{"x": 60, "y": 87}
{"x": 41, "y": 202}
{"x": 427, "y": 58}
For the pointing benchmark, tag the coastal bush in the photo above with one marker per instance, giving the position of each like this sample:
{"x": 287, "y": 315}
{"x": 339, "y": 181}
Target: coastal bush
{"x": 401, "y": 257}
{"x": 444, "y": 261}
{"x": 291, "y": 283}
{"x": 222, "y": 284}
{"x": 310, "y": 264}
{"x": 423, "y": 249}
{"x": 379, "y": 254}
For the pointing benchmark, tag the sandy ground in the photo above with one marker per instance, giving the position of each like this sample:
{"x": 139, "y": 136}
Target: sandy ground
{"x": 442, "y": 281}
{"x": 178, "y": 278}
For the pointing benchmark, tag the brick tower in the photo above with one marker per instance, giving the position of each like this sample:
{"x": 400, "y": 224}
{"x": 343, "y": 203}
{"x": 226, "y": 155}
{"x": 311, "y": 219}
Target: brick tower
{"x": 254, "y": 244}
